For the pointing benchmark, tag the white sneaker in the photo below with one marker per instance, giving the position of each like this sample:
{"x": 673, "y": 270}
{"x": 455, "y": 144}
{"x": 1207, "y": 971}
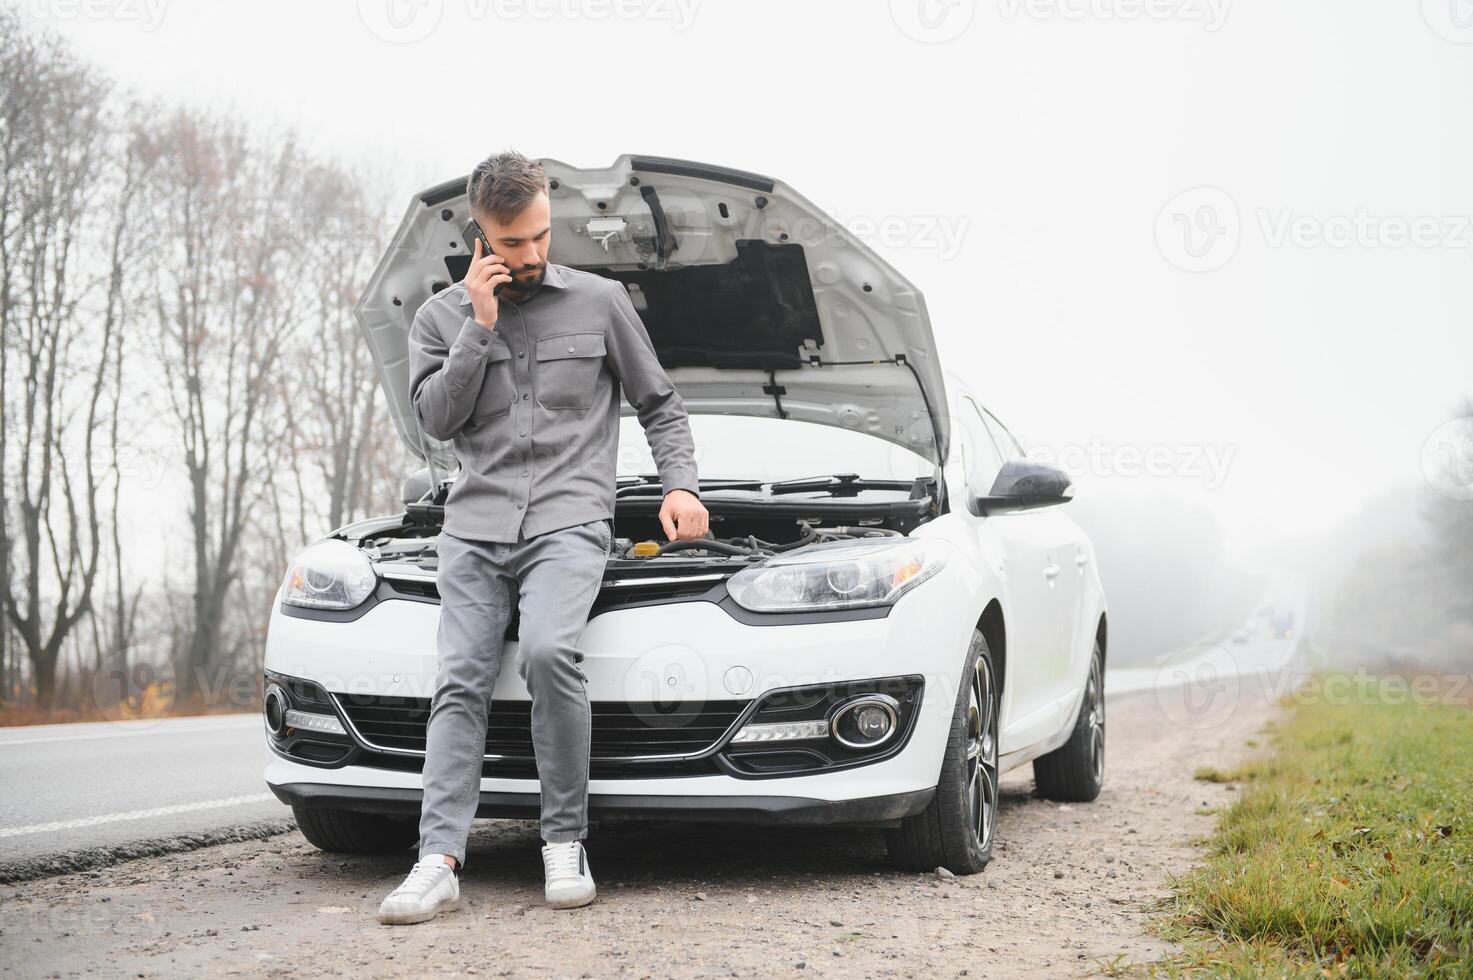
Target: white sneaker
{"x": 431, "y": 887}
{"x": 569, "y": 884}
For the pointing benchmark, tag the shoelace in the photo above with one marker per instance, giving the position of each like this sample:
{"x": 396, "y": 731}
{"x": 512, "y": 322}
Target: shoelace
{"x": 421, "y": 876}
{"x": 562, "y": 861}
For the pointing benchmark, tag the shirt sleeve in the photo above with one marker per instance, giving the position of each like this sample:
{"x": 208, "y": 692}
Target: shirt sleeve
{"x": 444, "y": 382}
{"x": 650, "y": 392}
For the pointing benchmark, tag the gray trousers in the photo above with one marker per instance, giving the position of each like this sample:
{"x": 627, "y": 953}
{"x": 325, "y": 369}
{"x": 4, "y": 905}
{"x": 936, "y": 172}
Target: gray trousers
{"x": 556, "y": 576}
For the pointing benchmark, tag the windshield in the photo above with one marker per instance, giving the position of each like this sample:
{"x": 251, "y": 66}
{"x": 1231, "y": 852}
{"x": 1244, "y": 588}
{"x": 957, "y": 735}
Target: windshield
{"x": 739, "y": 447}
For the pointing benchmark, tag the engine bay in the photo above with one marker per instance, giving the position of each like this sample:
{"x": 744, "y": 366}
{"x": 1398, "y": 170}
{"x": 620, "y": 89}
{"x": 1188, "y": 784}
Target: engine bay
{"x": 749, "y": 521}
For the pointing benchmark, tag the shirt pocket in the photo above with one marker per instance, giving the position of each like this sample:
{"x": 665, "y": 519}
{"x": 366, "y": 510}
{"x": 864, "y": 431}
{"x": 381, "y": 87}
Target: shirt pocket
{"x": 568, "y": 367}
{"x": 498, "y": 386}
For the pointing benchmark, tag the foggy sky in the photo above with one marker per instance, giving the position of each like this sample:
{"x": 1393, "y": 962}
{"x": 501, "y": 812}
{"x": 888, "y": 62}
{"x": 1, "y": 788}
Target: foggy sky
{"x": 1034, "y": 167}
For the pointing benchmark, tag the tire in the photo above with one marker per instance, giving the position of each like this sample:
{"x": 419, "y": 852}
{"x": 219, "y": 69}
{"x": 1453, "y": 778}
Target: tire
{"x": 956, "y": 831}
{"x": 346, "y": 832}
{"x": 1075, "y": 771}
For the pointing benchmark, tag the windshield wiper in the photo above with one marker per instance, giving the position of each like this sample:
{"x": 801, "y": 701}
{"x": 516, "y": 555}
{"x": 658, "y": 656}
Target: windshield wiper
{"x": 836, "y": 484}
{"x": 643, "y": 484}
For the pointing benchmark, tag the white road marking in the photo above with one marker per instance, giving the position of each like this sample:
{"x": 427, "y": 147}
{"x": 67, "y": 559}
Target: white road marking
{"x": 119, "y": 731}
{"x": 158, "y": 811}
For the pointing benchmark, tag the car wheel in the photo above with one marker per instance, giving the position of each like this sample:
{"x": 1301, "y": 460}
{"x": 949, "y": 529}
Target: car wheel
{"x": 1075, "y": 771}
{"x": 343, "y": 831}
{"x": 957, "y": 829}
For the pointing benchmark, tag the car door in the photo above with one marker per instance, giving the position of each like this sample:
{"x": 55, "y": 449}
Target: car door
{"x": 1064, "y": 566}
{"x": 1009, "y": 543}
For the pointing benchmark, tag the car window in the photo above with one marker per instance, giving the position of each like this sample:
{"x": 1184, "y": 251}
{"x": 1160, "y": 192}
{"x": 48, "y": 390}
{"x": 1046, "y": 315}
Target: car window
{"x": 985, "y": 460}
{"x": 1010, "y": 447}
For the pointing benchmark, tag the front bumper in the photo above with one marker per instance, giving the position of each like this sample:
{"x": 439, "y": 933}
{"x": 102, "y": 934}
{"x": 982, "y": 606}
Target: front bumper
{"x": 692, "y": 650}
{"x": 749, "y": 809}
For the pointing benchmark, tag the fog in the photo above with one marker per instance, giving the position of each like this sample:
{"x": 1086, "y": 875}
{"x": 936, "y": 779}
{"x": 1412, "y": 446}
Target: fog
{"x": 1215, "y": 258}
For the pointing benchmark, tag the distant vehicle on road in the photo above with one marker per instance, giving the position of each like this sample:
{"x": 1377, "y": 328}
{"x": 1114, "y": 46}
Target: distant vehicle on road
{"x": 1281, "y": 623}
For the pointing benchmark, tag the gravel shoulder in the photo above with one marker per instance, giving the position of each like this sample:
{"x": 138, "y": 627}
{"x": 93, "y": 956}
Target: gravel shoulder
{"x": 1071, "y": 889}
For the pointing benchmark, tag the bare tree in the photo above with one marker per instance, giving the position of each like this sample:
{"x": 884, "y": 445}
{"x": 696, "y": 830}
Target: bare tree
{"x": 54, "y": 141}
{"x": 337, "y": 461}
{"x": 224, "y": 314}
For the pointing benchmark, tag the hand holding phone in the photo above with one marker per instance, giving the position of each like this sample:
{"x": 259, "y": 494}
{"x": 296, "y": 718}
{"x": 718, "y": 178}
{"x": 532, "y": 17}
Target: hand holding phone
{"x": 485, "y": 276}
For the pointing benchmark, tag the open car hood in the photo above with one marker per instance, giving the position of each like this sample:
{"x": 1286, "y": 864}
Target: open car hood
{"x": 757, "y": 302}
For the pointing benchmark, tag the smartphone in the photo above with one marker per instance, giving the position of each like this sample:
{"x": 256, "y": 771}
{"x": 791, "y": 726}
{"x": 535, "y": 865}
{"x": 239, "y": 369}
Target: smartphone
{"x": 469, "y": 234}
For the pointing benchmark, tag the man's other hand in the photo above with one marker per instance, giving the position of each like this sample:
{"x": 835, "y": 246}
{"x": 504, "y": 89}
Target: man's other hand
{"x": 683, "y": 516}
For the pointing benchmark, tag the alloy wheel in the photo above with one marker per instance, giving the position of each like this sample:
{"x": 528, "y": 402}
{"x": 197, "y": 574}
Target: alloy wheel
{"x": 982, "y": 754}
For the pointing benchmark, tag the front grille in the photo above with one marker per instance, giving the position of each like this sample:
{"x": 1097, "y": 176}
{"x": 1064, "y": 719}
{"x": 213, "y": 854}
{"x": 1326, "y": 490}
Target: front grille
{"x": 613, "y": 595}
{"x": 621, "y": 729}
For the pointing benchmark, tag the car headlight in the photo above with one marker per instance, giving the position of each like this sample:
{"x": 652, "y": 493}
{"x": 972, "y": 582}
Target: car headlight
{"x": 838, "y": 575}
{"x": 330, "y": 574}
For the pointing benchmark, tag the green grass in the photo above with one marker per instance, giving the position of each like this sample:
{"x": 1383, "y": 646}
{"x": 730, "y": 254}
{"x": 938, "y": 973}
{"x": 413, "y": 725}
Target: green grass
{"x": 1349, "y": 852}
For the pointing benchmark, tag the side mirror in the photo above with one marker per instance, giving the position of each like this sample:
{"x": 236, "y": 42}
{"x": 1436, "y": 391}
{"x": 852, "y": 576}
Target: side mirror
{"x": 1022, "y": 484}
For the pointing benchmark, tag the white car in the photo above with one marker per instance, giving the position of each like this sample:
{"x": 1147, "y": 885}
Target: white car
{"x": 895, "y": 610}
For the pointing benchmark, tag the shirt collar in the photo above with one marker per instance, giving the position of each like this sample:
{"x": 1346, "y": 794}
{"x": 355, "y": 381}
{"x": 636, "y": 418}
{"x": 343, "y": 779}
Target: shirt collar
{"x": 552, "y": 278}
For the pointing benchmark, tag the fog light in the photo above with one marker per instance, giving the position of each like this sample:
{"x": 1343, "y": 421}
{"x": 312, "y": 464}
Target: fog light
{"x": 275, "y": 709}
{"x": 782, "y": 731}
{"x": 865, "y": 722}
{"x": 314, "y": 723}
{"x": 872, "y": 721}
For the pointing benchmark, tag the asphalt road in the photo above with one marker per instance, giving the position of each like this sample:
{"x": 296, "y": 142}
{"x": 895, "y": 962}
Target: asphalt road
{"x": 70, "y": 788}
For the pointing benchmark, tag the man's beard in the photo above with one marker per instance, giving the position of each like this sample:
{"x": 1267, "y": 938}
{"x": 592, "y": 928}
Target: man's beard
{"x": 519, "y": 290}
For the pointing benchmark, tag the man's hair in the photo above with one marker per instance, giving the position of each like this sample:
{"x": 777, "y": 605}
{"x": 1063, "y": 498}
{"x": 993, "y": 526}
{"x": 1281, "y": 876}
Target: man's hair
{"x": 503, "y": 184}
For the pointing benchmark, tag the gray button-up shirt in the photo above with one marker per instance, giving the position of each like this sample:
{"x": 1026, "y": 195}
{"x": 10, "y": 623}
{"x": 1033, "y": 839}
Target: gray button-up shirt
{"x": 532, "y": 407}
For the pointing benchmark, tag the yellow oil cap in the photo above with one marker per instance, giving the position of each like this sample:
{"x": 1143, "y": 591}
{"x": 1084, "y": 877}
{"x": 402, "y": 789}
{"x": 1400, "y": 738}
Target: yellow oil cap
{"x": 645, "y": 549}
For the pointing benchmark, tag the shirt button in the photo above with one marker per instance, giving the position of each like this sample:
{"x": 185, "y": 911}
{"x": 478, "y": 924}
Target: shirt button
{"x": 525, "y": 396}
{"x": 570, "y": 349}
{"x": 522, "y": 434}
{"x": 521, "y": 353}
{"x": 525, "y": 473}
{"x": 519, "y": 505}
{"x": 483, "y": 341}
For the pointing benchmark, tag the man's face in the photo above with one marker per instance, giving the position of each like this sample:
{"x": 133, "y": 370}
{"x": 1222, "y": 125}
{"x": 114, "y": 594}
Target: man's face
{"x": 523, "y": 242}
